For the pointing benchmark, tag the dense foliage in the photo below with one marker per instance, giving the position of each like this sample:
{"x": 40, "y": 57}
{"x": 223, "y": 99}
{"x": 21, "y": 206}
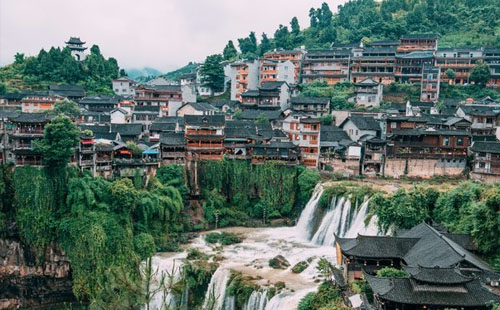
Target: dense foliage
{"x": 470, "y": 208}
{"x": 459, "y": 23}
{"x": 58, "y": 66}
{"x": 237, "y": 190}
{"x": 389, "y": 272}
{"x": 212, "y": 72}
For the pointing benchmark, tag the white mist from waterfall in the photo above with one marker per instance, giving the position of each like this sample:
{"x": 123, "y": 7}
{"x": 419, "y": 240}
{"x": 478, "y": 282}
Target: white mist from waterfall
{"x": 216, "y": 292}
{"x": 306, "y": 219}
{"x": 343, "y": 220}
{"x": 257, "y": 301}
{"x": 166, "y": 270}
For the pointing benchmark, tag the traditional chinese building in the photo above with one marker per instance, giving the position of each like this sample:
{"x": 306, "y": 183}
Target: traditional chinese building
{"x": 426, "y": 152}
{"x": 38, "y": 102}
{"x": 294, "y": 56}
{"x": 486, "y": 165}
{"x": 277, "y": 70}
{"x": 431, "y": 288}
{"x": 331, "y": 66}
{"x": 168, "y": 97}
{"x": 77, "y": 48}
{"x": 376, "y": 63}
{"x": 204, "y": 136}
{"x": 492, "y": 59}
{"x": 173, "y": 147}
{"x": 417, "y": 42}
{"x": 460, "y": 60}
{"x": 409, "y": 66}
{"x": 431, "y": 79}
{"x": 28, "y": 128}
{"x": 304, "y": 131}
{"x": 274, "y": 95}
{"x": 313, "y": 106}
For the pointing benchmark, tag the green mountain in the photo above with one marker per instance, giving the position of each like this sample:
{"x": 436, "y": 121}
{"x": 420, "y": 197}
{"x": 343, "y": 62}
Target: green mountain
{"x": 457, "y": 22}
{"x": 143, "y": 73}
{"x": 175, "y": 75}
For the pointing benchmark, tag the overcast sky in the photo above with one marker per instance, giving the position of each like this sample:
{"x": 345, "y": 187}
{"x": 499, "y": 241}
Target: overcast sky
{"x": 163, "y": 34}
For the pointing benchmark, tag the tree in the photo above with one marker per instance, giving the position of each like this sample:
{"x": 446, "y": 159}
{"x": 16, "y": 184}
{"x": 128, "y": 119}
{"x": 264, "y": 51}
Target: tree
{"x": 212, "y": 72}
{"x": 389, "y": 272}
{"x": 282, "y": 37}
{"x": 18, "y": 58}
{"x": 313, "y": 17}
{"x": 450, "y": 73}
{"x": 123, "y": 72}
{"x": 58, "y": 144}
{"x": 262, "y": 119}
{"x": 248, "y": 45}
{"x": 481, "y": 75}
{"x": 265, "y": 44}
{"x": 327, "y": 120}
{"x": 325, "y": 16}
{"x": 294, "y": 24}
{"x": 230, "y": 51}
{"x": 3, "y": 88}
{"x": 67, "y": 107}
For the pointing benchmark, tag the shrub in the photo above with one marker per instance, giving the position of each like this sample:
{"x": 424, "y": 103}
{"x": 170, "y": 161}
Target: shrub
{"x": 389, "y": 272}
{"x": 144, "y": 245}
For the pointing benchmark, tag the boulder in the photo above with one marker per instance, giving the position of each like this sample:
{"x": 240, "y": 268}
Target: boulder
{"x": 279, "y": 262}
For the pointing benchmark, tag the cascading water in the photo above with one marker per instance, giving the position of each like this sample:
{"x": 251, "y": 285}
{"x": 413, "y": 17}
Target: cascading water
{"x": 216, "y": 293}
{"x": 257, "y": 301}
{"x": 343, "y": 220}
{"x": 306, "y": 219}
{"x": 166, "y": 271}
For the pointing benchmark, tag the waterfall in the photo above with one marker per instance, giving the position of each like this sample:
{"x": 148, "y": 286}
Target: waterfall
{"x": 257, "y": 301}
{"x": 306, "y": 219}
{"x": 216, "y": 293}
{"x": 341, "y": 219}
{"x": 230, "y": 303}
{"x": 166, "y": 271}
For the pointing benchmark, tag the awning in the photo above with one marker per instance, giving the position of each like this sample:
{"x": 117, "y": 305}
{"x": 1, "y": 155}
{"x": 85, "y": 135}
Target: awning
{"x": 125, "y": 152}
{"x": 151, "y": 152}
{"x": 88, "y": 141}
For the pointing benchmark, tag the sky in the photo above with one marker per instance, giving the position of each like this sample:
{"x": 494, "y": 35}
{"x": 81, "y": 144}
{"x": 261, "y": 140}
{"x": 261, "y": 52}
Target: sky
{"x": 162, "y": 34}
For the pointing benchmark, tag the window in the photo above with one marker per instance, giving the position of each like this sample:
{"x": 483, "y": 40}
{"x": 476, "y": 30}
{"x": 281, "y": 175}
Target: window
{"x": 446, "y": 141}
{"x": 460, "y": 141}
{"x": 393, "y": 125}
{"x": 482, "y": 165}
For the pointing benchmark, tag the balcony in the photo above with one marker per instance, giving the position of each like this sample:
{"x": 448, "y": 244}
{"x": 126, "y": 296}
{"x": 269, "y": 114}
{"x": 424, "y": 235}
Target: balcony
{"x": 27, "y": 133}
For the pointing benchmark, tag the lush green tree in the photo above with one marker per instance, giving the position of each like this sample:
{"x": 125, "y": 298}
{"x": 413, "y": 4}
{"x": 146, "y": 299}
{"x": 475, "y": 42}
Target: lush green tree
{"x": 327, "y": 120}
{"x": 282, "y": 38}
{"x": 3, "y": 88}
{"x": 451, "y": 74}
{"x": 307, "y": 180}
{"x": 18, "y": 58}
{"x": 248, "y": 45}
{"x": 60, "y": 138}
{"x": 389, "y": 272}
{"x": 481, "y": 75}
{"x": 265, "y": 44}
{"x": 230, "y": 51}
{"x": 212, "y": 72}
{"x": 144, "y": 245}
{"x": 67, "y": 107}
{"x": 294, "y": 26}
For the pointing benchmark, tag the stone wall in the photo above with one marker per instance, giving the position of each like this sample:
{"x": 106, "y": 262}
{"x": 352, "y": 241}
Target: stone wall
{"x": 25, "y": 283}
{"x": 423, "y": 168}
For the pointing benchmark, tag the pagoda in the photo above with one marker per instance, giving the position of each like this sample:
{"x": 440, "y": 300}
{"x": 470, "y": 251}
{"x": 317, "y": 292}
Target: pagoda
{"x": 77, "y": 48}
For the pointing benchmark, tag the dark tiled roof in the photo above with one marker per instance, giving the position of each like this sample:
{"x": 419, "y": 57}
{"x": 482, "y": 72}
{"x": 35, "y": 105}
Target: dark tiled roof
{"x": 201, "y": 106}
{"x": 95, "y": 128}
{"x": 254, "y": 114}
{"x": 332, "y": 134}
{"x": 271, "y": 85}
{"x": 167, "y": 88}
{"x": 422, "y": 36}
{"x": 101, "y": 99}
{"x": 416, "y": 54}
{"x": 480, "y": 110}
{"x": 435, "y": 275}
{"x": 427, "y": 132}
{"x": 170, "y": 119}
{"x": 220, "y": 103}
{"x": 162, "y": 126}
{"x": 435, "y": 249}
{"x": 205, "y": 120}
{"x": 106, "y": 135}
{"x": 147, "y": 108}
{"x": 32, "y": 118}
{"x": 363, "y": 122}
{"x": 486, "y": 147}
{"x": 127, "y": 129}
{"x": 251, "y": 93}
{"x": 172, "y": 138}
{"x": 75, "y": 40}
{"x": 67, "y": 90}
{"x": 5, "y": 113}
{"x": 376, "y": 246}
{"x": 410, "y": 291}
{"x": 309, "y": 100}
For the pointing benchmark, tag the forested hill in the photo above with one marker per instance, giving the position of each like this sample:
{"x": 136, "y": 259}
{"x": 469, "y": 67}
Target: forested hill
{"x": 57, "y": 66}
{"x": 457, "y": 22}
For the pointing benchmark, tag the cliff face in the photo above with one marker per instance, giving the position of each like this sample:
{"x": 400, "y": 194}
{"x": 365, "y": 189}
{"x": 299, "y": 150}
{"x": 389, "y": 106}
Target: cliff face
{"x": 24, "y": 283}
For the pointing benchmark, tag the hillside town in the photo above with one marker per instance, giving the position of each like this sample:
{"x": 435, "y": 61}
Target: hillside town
{"x": 267, "y": 118}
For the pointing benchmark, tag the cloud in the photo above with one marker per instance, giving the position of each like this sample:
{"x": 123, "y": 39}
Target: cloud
{"x": 164, "y": 34}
